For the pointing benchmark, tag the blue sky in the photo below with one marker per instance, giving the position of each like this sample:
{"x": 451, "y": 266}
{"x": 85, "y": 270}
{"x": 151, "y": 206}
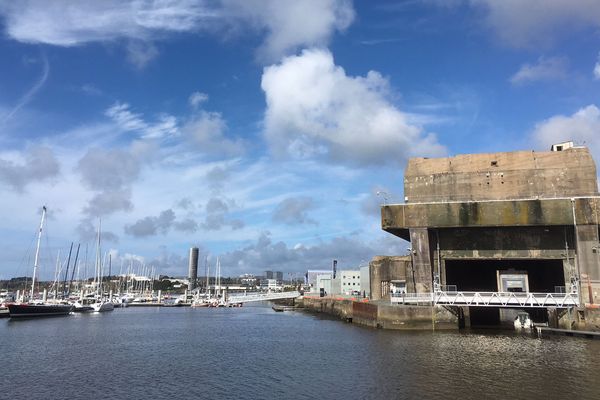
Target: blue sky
{"x": 261, "y": 130}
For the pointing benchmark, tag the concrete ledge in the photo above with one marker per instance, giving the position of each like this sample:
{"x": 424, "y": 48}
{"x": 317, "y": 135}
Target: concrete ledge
{"x": 490, "y": 213}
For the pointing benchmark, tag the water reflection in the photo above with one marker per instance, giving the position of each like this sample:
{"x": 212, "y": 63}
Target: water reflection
{"x": 254, "y": 353}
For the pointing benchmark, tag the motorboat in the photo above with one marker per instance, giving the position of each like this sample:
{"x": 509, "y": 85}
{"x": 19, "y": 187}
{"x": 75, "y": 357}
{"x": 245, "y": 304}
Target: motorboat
{"x": 523, "y": 321}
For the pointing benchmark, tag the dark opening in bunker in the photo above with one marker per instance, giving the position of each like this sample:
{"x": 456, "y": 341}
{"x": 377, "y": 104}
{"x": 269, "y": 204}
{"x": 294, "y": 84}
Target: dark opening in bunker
{"x": 481, "y": 275}
{"x": 544, "y": 276}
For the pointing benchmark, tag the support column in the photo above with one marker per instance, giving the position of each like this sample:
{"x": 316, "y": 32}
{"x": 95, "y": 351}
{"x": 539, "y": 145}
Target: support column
{"x": 421, "y": 271}
{"x": 588, "y": 262}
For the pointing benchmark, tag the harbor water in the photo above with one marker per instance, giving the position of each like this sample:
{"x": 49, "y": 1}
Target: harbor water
{"x": 256, "y": 353}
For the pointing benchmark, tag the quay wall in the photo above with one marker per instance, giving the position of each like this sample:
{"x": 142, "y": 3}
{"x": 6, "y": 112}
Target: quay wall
{"x": 385, "y": 316}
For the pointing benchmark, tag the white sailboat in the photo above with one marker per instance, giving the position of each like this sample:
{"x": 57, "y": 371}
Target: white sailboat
{"x": 101, "y": 304}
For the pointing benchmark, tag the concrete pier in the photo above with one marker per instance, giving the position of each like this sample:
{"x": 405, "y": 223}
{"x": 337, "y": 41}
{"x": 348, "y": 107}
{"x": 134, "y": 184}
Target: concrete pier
{"x": 383, "y": 315}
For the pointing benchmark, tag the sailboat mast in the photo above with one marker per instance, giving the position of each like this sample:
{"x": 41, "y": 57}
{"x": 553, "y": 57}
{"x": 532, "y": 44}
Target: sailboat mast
{"x": 37, "y": 251}
{"x": 98, "y": 259}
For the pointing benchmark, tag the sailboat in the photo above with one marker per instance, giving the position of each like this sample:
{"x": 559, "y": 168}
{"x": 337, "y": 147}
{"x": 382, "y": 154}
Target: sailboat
{"x": 101, "y": 303}
{"x": 37, "y": 308}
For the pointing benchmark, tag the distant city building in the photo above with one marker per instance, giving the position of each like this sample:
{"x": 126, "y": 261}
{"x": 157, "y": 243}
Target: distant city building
{"x": 248, "y": 279}
{"x": 323, "y": 284}
{"x": 310, "y": 278}
{"x": 269, "y": 275}
{"x": 349, "y": 281}
{"x": 279, "y": 276}
{"x": 269, "y": 284}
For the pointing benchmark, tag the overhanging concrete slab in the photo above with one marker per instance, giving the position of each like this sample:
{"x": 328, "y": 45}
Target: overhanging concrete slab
{"x": 397, "y": 218}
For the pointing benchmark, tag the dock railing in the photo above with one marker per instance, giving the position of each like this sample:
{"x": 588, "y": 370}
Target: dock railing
{"x": 489, "y": 299}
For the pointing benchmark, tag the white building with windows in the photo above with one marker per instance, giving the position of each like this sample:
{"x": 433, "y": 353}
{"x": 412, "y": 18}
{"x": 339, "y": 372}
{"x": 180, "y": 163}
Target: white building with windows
{"x": 350, "y": 281}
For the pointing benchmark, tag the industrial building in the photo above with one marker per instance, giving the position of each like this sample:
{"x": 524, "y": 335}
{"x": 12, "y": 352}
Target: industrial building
{"x": 520, "y": 225}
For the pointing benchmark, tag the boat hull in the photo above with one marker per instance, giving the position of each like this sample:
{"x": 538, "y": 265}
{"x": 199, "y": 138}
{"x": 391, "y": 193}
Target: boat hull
{"x": 103, "y": 307}
{"x": 38, "y": 310}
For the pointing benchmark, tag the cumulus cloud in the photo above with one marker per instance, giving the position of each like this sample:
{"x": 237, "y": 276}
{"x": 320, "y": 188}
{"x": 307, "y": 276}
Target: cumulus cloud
{"x": 35, "y": 165}
{"x": 110, "y": 174}
{"x": 294, "y": 211}
{"x": 185, "y": 204}
{"x": 285, "y": 26}
{"x": 187, "y": 225}
{"x": 291, "y": 25}
{"x": 89, "y": 233}
{"x": 197, "y": 98}
{"x": 206, "y": 131}
{"x": 314, "y": 109}
{"x": 162, "y": 223}
{"x": 544, "y": 69}
{"x": 267, "y": 254}
{"x": 538, "y": 22}
{"x": 582, "y": 127}
{"x": 150, "y": 226}
{"x": 108, "y": 168}
{"x": 216, "y": 217}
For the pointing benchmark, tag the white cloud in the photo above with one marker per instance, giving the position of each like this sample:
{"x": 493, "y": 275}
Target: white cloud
{"x": 36, "y": 165}
{"x": 197, "y": 98}
{"x": 206, "y": 131}
{"x": 290, "y": 25}
{"x": 140, "y": 53}
{"x": 68, "y": 23}
{"x": 544, "y": 69}
{"x": 315, "y": 110}
{"x": 285, "y": 25}
{"x": 127, "y": 120}
{"x": 582, "y": 127}
{"x": 597, "y": 69}
{"x": 539, "y": 22}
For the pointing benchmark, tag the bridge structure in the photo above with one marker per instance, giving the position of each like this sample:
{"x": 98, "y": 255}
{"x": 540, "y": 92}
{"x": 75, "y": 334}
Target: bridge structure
{"x": 254, "y": 297}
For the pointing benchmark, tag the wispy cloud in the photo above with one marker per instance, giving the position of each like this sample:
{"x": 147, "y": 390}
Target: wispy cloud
{"x": 374, "y": 42}
{"x": 127, "y": 120}
{"x": 284, "y": 26}
{"x": 29, "y": 95}
{"x": 544, "y": 69}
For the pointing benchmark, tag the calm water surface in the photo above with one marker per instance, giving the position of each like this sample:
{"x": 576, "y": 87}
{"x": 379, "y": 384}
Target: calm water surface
{"x": 255, "y": 353}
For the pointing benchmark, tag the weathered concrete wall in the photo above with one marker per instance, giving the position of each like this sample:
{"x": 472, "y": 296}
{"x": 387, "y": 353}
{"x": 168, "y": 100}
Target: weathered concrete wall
{"x": 496, "y": 176}
{"x": 386, "y": 269}
{"x": 415, "y": 317}
{"x": 491, "y": 213}
{"x": 386, "y": 316}
{"x": 421, "y": 260}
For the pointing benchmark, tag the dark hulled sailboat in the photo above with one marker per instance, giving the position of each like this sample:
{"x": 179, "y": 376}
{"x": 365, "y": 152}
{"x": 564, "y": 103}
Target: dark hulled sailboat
{"x": 37, "y": 309}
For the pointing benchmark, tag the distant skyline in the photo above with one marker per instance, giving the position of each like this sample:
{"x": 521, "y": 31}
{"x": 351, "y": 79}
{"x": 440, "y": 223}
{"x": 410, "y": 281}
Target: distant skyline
{"x": 261, "y": 131}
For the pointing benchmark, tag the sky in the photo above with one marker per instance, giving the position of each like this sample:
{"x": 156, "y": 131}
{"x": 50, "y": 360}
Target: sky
{"x": 266, "y": 132}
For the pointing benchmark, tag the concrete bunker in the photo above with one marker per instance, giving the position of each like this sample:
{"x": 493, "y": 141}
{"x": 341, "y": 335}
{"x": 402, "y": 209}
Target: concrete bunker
{"x": 471, "y": 218}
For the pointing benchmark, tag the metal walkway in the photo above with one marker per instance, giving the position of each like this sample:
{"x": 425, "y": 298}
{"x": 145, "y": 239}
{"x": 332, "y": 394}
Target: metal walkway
{"x": 490, "y": 299}
{"x": 251, "y": 297}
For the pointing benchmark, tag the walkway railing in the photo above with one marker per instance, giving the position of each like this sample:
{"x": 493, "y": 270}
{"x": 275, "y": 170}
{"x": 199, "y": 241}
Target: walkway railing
{"x": 489, "y": 299}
